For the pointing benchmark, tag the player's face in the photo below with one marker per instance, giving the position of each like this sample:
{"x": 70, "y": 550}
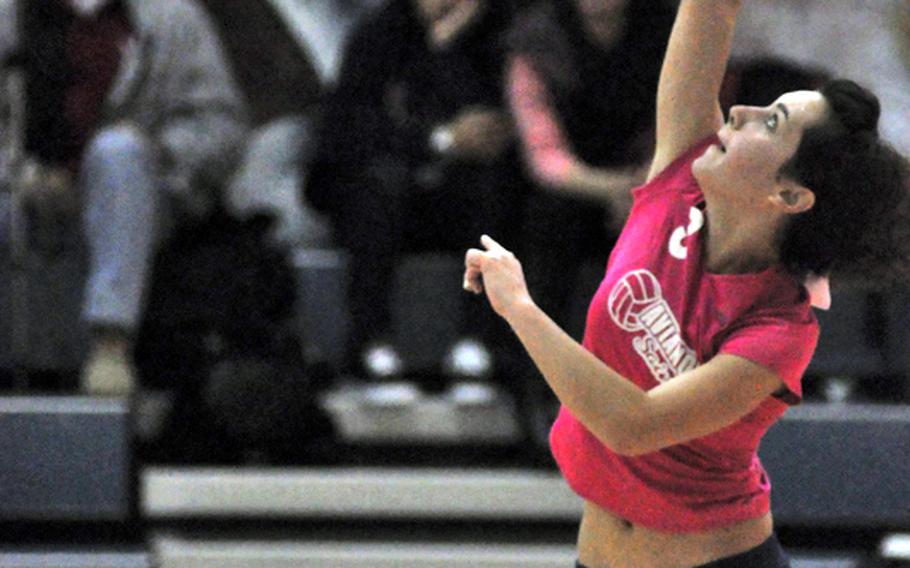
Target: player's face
{"x": 756, "y": 142}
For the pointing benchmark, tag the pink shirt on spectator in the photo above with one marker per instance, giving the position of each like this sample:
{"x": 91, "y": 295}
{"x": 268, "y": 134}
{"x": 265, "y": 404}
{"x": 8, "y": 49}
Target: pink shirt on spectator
{"x": 546, "y": 149}
{"x": 658, "y": 313}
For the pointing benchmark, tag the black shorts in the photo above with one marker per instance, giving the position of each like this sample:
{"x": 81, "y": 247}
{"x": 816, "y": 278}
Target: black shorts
{"x": 768, "y": 554}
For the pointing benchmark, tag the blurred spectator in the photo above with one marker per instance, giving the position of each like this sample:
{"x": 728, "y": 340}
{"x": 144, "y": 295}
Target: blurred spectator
{"x": 135, "y": 123}
{"x": 324, "y": 27}
{"x": 860, "y": 40}
{"x": 274, "y": 71}
{"x": 415, "y": 155}
{"x": 283, "y": 88}
{"x": 582, "y": 79}
{"x": 902, "y": 29}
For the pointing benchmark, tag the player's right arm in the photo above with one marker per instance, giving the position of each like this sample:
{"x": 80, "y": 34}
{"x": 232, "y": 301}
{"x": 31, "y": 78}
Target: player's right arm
{"x": 693, "y": 69}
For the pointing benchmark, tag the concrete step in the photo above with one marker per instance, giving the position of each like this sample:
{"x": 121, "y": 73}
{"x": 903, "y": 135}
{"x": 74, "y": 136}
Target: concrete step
{"x": 176, "y": 551}
{"x": 811, "y": 456}
{"x": 74, "y": 559}
{"x": 352, "y": 493}
{"x": 896, "y": 547}
{"x": 65, "y": 458}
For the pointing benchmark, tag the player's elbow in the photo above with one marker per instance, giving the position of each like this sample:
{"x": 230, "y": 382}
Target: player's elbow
{"x": 623, "y": 447}
{"x": 628, "y": 437}
{"x": 630, "y": 446}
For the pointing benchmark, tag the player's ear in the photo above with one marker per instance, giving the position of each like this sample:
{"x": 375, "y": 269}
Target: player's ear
{"x": 792, "y": 197}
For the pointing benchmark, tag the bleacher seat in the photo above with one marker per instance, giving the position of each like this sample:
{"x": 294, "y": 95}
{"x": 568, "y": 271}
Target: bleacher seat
{"x": 323, "y": 317}
{"x": 56, "y": 337}
{"x": 840, "y": 465}
{"x": 897, "y": 339}
{"x": 65, "y": 459}
{"x": 849, "y": 344}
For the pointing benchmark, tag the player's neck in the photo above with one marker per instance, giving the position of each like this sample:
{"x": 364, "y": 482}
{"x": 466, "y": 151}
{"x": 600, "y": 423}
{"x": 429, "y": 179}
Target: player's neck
{"x": 738, "y": 243}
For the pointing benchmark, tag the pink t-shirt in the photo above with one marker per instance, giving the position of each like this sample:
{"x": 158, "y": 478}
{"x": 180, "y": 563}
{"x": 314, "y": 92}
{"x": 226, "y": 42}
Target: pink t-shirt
{"x": 659, "y": 313}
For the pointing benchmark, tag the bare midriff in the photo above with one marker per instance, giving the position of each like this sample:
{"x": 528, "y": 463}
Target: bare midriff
{"x": 608, "y": 541}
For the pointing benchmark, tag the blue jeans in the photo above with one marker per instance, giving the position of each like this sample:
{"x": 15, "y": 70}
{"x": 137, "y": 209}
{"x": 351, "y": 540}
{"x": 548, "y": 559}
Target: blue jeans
{"x": 122, "y": 202}
{"x": 269, "y": 179}
{"x": 769, "y": 554}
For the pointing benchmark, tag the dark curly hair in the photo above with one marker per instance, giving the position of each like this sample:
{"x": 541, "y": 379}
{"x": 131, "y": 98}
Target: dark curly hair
{"x": 859, "y": 225}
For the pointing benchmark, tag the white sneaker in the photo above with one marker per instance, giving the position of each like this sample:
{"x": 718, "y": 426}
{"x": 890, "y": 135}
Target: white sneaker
{"x": 108, "y": 372}
{"x": 839, "y": 389}
{"x": 468, "y": 359}
{"x": 382, "y": 361}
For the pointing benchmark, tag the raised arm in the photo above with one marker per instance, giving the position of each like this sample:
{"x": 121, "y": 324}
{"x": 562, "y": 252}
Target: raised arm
{"x": 687, "y": 94}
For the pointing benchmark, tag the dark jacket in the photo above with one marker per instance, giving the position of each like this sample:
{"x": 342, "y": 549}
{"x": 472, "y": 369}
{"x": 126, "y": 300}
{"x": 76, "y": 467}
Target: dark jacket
{"x": 391, "y": 92}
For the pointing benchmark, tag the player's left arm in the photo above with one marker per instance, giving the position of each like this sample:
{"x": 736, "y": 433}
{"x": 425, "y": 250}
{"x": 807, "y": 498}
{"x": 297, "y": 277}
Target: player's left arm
{"x": 623, "y": 416}
{"x": 628, "y": 419}
{"x": 702, "y": 401}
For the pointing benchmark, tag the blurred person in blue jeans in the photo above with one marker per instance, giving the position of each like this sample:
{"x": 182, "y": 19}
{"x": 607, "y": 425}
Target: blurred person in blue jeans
{"x": 134, "y": 121}
{"x": 281, "y": 83}
{"x": 417, "y": 153}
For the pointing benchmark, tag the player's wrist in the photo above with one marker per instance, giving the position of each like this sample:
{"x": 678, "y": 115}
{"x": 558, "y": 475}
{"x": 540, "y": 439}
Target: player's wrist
{"x": 522, "y": 312}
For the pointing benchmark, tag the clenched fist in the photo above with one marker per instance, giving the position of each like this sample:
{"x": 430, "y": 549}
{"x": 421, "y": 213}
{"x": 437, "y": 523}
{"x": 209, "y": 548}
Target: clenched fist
{"x": 497, "y": 272}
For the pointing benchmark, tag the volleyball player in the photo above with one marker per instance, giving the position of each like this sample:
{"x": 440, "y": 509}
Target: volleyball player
{"x": 700, "y": 332}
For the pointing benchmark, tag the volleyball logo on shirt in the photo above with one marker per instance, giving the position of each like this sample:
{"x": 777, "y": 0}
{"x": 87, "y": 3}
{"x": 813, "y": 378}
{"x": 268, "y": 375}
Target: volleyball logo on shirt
{"x": 636, "y": 305}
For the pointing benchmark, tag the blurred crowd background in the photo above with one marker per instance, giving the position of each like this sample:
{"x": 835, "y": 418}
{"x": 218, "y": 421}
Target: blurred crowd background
{"x": 232, "y": 324}
{"x": 248, "y": 209}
